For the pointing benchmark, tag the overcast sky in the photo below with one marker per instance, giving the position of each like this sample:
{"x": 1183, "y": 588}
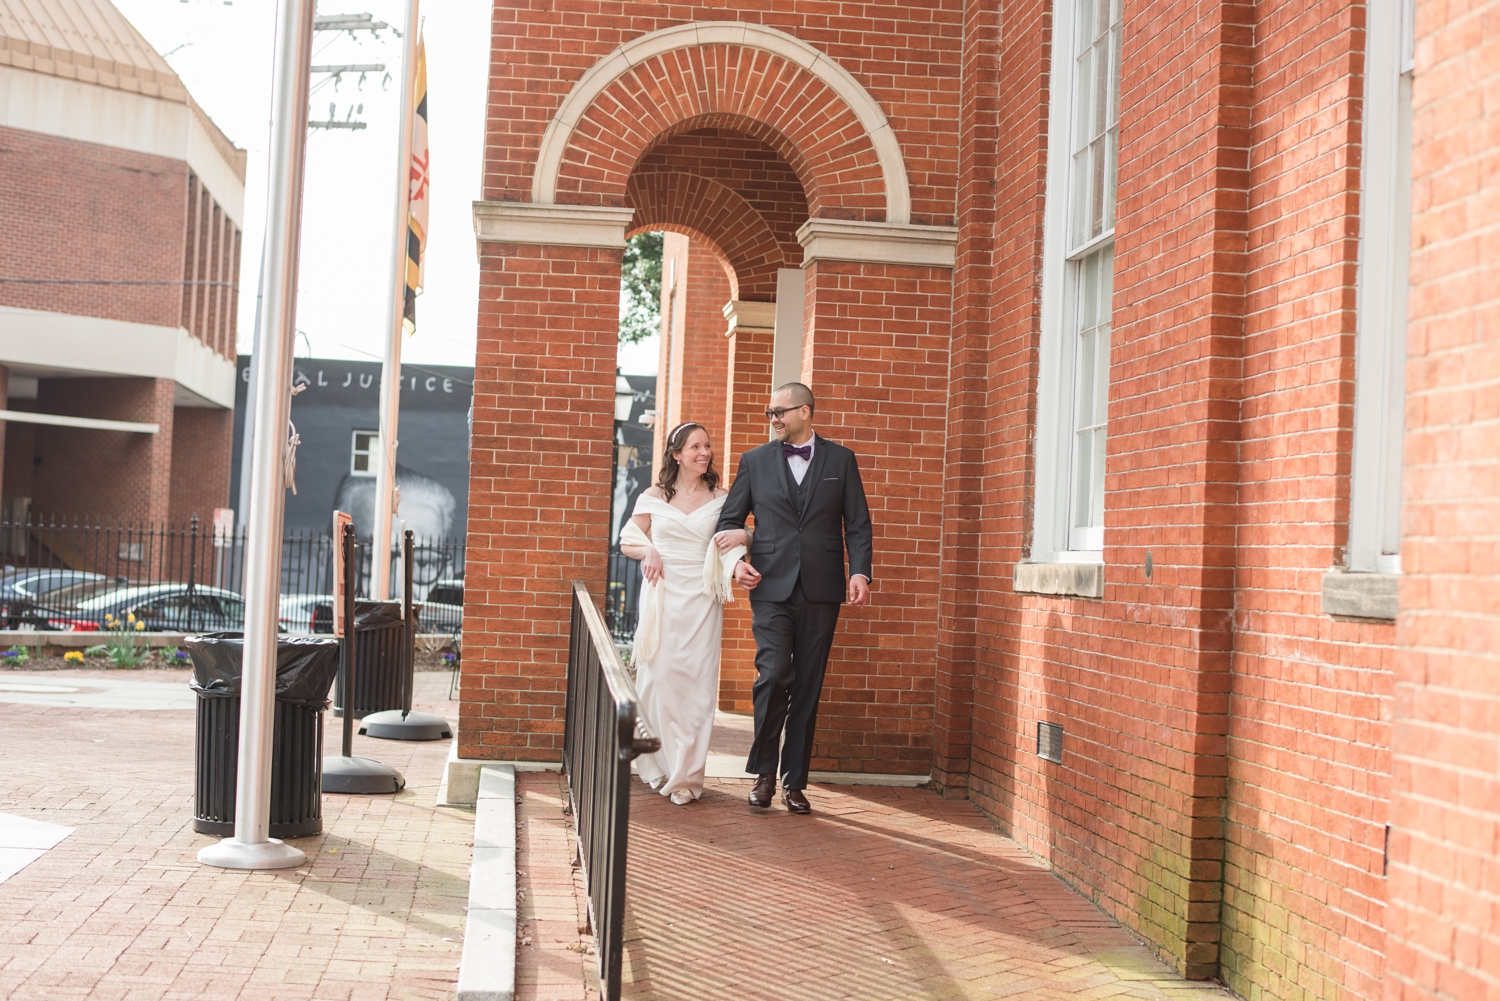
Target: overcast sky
{"x": 223, "y": 53}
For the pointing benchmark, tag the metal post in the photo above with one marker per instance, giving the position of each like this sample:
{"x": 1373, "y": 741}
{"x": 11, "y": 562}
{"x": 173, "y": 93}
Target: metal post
{"x": 403, "y": 723}
{"x": 192, "y": 570}
{"x": 346, "y": 773}
{"x": 251, "y": 847}
{"x": 390, "y": 372}
{"x": 350, "y": 548}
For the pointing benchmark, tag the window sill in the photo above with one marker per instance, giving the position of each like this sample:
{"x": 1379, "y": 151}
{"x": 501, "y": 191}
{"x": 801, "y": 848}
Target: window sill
{"x": 1361, "y": 595}
{"x": 1083, "y": 580}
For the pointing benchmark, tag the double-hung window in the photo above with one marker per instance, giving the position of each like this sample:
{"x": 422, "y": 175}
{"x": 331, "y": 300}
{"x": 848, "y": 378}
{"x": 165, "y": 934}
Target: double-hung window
{"x": 1380, "y": 311}
{"x": 1077, "y": 282}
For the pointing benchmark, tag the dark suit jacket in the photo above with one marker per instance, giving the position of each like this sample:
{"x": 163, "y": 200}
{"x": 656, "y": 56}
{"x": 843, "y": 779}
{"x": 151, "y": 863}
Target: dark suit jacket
{"x": 809, "y": 542}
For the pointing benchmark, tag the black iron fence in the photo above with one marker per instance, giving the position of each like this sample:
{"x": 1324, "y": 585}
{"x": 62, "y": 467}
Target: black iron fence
{"x": 622, "y": 596}
{"x": 603, "y": 734}
{"x": 60, "y": 575}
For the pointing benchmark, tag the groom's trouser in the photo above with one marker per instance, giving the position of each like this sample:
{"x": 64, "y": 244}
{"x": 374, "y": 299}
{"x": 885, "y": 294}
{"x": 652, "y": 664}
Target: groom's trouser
{"x": 792, "y": 639}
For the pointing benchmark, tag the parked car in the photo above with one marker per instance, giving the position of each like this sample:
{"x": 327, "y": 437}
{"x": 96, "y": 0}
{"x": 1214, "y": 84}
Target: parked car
{"x": 443, "y": 608}
{"x": 162, "y": 607}
{"x": 20, "y": 589}
{"x": 300, "y": 613}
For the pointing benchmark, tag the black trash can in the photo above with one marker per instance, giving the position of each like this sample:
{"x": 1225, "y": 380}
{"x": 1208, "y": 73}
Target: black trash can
{"x": 382, "y": 674}
{"x": 305, "y": 667}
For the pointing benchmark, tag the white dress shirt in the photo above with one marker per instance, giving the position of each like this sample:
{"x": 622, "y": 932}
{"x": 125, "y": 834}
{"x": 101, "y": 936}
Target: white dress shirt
{"x": 798, "y": 465}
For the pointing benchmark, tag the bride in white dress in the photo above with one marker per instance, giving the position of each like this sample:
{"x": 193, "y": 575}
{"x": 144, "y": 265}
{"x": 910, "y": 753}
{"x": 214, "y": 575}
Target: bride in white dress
{"x": 676, "y": 655}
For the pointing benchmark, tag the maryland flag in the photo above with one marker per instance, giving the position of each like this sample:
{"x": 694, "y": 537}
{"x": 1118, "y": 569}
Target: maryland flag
{"x": 416, "y": 213}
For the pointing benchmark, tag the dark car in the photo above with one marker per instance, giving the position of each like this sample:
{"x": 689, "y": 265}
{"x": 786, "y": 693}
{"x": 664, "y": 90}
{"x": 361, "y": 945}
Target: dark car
{"x": 172, "y": 608}
{"x": 23, "y": 589}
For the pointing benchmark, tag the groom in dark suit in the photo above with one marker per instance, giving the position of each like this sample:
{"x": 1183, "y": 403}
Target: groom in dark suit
{"x": 809, "y": 505}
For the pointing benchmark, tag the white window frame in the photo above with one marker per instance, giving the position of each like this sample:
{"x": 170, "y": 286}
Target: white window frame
{"x": 1381, "y": 284}
{"x": 1058, "y": 362}
{"x": 373, "y": 453}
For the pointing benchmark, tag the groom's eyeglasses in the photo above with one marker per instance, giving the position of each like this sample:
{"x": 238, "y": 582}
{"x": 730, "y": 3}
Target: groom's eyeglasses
{"x": 779, "y": 412}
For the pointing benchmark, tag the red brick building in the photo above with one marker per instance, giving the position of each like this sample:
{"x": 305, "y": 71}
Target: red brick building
{"x": 119, "y": 278}
{"x": 1184, "y": 491}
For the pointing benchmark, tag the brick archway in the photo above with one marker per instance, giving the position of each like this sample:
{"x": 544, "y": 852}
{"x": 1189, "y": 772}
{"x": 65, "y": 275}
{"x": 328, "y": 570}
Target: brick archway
{"x": 749, "y": 77}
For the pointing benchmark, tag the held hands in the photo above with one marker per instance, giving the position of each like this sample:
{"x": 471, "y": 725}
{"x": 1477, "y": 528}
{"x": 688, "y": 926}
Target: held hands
{"x": 730, "y": 538}
{"x": 651, "y": 567}
{"x": 747, "y": 576}
{"x": 859, "y": 590}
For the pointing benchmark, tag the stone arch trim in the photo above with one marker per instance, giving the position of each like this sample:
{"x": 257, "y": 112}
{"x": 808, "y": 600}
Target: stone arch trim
{"x": 701, "y": 205}
{"x": 668, "y": 41}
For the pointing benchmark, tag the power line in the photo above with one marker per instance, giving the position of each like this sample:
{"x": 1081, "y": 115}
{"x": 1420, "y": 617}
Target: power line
{"x": 111, "y": 281}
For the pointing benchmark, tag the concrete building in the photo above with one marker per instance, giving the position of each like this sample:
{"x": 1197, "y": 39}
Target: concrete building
{"x": 119, "y": 275}
{"x": 1166, "y": 334}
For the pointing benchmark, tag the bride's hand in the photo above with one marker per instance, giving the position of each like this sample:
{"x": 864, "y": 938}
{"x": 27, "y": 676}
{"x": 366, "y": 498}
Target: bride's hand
{"x": 729, "y": 538}
{"x": 651, "y": 567}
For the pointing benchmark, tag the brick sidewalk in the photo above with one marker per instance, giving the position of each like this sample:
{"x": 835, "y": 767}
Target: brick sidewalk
{"x": 122, "y": 911}
{"x": 880, "y": 894}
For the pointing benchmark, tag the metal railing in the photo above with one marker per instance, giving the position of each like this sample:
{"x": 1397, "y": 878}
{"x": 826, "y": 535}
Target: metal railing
{"x": 62, "y": 574}
{"x": 604, "y": 733}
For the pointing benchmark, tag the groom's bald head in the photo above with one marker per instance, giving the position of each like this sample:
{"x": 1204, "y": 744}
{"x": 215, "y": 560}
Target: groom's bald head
{"x": 795, "y": 394}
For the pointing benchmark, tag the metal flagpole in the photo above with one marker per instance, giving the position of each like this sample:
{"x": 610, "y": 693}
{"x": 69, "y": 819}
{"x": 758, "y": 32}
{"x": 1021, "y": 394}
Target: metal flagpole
{"x": 251, "y": 847}
{"x": 390, "y": 373}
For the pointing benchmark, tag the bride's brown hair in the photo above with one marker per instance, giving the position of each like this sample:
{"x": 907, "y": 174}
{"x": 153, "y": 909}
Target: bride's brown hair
{"x": 666, "y": 477}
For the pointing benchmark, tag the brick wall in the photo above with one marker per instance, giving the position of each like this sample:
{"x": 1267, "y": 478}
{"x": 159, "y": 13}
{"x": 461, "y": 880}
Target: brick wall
{"x": 1227, "y": 769}
{"x": 1231, "y": 356}
{"x": 104, "y": 475}
{"x": 875, "y": 353}
{"x": 539, "y": 486}
{"x": 202, "y": 444}
{"x": 751, "y": 352}
{"x": 1443, "y": 937}
{"x": 91, "y": 212}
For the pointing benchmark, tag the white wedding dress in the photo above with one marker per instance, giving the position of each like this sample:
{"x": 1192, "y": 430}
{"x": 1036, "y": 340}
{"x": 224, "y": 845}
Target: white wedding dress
{"x": 677, "y": 643}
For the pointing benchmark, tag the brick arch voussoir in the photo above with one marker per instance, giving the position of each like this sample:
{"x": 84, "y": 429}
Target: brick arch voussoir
{"x": 748, "y": 90}
{"x": 720, "y": 215}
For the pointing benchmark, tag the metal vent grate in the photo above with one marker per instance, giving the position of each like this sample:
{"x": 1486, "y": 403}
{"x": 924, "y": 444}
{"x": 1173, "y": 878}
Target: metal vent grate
{"x": 1049, "y": 737}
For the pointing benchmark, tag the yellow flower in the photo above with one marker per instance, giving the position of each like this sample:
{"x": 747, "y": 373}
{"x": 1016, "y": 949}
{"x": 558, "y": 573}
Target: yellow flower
{"x": 140, "y": 625}
{"x": 130, "y": 617}
{"x": 76, "y": 656}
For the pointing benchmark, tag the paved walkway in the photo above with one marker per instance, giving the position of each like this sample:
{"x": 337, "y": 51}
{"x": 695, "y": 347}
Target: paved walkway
{"x": 880, "y": 894}
{"x": 120, "y": 910}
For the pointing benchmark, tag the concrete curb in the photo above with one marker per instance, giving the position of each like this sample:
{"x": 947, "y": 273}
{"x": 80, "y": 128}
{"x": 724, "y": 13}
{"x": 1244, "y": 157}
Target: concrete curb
{"x": 460, "y": 785}
{"x": 487, "y": 971}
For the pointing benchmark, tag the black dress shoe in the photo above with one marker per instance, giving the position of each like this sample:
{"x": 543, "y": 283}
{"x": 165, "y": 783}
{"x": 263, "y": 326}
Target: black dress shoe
{"x": 764, "y": 791}
{"x": 796, "y": 802}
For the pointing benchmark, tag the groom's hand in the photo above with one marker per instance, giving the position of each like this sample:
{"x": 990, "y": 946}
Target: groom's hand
{"x": 859, "y": 590}
{"x": 748, "y": 576}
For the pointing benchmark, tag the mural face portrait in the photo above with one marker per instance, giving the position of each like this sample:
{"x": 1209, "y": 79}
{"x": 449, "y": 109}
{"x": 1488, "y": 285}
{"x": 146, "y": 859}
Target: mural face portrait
{"x": 425, "y": 505}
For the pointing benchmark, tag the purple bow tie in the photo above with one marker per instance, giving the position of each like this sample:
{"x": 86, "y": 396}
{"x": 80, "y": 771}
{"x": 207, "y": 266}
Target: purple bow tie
{"x": 803, "y": 452}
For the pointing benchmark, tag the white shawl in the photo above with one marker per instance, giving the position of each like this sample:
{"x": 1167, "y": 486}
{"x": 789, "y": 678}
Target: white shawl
{"x": 718, "y": 575}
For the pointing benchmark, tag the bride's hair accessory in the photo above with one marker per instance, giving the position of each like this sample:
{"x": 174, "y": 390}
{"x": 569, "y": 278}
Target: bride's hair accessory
{"x": 677, "y": 438}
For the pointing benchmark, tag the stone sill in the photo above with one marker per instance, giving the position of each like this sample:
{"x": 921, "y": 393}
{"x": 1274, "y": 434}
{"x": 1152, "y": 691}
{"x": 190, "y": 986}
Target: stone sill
{"x": 1361, "y": 595}
{"x": 1083, "y": 580}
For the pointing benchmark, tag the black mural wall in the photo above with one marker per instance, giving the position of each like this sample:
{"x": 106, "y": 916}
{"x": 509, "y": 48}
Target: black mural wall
{"x": 343, "y": 397}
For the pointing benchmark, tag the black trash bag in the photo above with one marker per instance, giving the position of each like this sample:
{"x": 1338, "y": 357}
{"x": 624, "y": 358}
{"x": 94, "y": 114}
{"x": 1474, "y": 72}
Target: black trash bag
{"x": 368, "y": 614}
{"x": 305, "y": 666}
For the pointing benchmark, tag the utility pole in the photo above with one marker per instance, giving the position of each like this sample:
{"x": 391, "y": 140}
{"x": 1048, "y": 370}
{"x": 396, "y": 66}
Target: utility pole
{"x": 322, "y": 22}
